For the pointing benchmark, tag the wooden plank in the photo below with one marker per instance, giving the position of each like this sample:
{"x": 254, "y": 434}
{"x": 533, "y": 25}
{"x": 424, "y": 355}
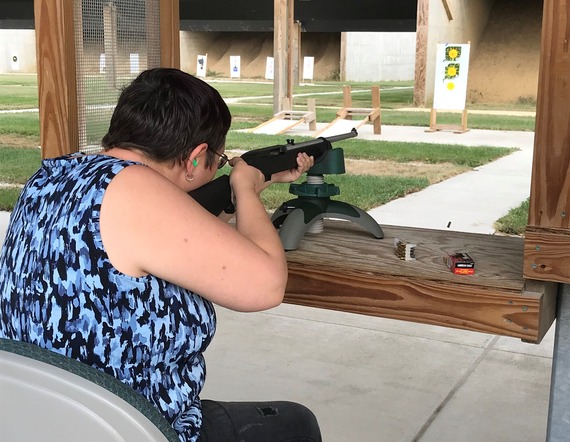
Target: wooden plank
{"x": 549, "y": 211}
{"x": 57, "y": 87}
{"x": 346, "y": 268}
{"x": 447, "y": 10}
{"x": 170, "y": 33}
{"x": 546, "y": 254}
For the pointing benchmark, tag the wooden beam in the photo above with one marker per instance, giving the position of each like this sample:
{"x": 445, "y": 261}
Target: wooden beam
{"x": 170, "y": 33}
{"x": 57, "y": 87}
{"x": 282, "y": 52}
{"x": 422, "y": 31}
{"x": 370, "y": 279}
{"x": 547, "y": 251}
{"x": 343, "y": 49}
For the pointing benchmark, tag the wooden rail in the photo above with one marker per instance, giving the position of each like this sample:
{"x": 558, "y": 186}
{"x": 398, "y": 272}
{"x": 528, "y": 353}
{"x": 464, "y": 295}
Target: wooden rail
{"x": 345, "y": 268}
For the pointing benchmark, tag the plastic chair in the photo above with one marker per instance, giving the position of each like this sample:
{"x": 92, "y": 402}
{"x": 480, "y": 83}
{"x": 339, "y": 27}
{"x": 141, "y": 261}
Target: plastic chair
{"x": 50, "y": 397}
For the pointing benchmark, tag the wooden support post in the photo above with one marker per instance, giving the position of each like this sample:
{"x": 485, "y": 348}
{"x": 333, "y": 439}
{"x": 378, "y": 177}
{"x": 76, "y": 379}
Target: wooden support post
{"x": 170, "y": 33}
{"x": 296, "y": 52}
{"x": 343, "y": 56}
{"x": 290, "y": 52}
{"x": 464, "y": 121}
{"x": 456, "y": 128}
{"x": 376, "y": 115}
{"x": 547, "y": 238}
{"x": 347, "y": 100}
{"x": 282, "y": 76}
{"x": 57, "y": 88}
{"x": 311, "y": 107}
{"x": 422, "y": 30}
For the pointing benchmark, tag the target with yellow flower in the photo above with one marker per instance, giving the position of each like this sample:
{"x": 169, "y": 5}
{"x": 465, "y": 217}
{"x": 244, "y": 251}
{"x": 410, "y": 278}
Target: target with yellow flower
{"x": 452, "y": 53}
{"x": 451, "y": 71}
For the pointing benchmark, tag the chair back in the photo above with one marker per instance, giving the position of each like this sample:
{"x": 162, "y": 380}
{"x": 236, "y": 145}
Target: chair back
{"x": 50, "y": 397}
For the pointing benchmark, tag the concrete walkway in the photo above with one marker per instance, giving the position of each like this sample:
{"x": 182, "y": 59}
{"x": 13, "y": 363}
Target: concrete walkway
{"x": 378, "y": 380}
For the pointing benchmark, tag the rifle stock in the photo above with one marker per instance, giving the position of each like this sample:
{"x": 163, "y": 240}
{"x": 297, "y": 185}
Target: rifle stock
{"x": 215, "y": 196}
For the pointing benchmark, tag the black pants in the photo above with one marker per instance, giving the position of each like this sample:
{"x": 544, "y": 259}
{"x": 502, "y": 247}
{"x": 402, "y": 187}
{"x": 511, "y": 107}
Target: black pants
{"x": 258, "y": 422}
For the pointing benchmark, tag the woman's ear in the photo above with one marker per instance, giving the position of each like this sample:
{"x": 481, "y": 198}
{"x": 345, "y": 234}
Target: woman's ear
{"x": 196, "y": 156}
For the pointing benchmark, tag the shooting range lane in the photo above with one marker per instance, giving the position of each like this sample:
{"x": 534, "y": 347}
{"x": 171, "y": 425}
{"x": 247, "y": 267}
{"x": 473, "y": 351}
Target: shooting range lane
{"x": 370, "y": 279}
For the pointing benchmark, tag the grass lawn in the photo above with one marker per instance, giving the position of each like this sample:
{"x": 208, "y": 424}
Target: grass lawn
{"x": 19, "y": 138}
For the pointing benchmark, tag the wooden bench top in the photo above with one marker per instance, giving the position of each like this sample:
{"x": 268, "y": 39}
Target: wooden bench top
{"x": 345, "y": 268}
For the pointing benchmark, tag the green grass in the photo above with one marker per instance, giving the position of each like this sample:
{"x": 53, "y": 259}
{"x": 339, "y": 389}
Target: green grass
{"x": 21, "y": 124}
{"x": 363, "y": 191}
{"x": 17, "y": 164}
{"x": 515, "y": 221}
{"x": 18, "y": 92}
{"x": 8, "y": 197}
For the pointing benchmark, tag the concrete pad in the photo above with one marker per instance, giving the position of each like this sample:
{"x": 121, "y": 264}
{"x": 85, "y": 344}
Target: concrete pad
{"x": 377, "y": 380}
{"x": 363, "y": 384}
{"x": 502, "y": 400}
{"x": 4, "y": 220}
{"x": 470, "y": 202}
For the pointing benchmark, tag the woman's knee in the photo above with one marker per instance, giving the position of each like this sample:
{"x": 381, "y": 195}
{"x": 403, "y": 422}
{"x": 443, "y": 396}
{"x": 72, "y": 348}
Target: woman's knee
{"x": 301, "y": 418}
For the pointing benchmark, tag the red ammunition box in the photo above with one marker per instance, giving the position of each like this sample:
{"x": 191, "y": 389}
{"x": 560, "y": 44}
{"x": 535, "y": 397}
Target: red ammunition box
{"x": 460, "y": 263}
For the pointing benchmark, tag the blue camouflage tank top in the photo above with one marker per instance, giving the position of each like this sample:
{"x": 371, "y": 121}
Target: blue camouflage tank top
{"x": 59, "y": 290}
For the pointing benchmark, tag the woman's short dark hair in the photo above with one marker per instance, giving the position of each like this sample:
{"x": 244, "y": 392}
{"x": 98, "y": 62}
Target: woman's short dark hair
{"x": 165, "y": 113}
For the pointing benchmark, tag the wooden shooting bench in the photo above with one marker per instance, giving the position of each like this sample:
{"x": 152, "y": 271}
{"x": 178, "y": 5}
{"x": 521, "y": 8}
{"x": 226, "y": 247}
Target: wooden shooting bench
{"x": 346, "y": 268}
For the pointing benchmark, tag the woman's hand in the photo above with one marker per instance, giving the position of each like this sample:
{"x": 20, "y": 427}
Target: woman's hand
{"x": 304, "y": 163}
{"x": 244, "y": 176}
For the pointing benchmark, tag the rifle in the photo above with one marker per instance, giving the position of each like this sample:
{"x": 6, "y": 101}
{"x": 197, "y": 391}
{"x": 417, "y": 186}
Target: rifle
{"x": 215, "y": 196}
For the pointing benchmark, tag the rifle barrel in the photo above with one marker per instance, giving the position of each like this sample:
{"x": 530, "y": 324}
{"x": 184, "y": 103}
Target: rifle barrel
{"x": 353, "y": 133}
{"x": 291, "y": 145}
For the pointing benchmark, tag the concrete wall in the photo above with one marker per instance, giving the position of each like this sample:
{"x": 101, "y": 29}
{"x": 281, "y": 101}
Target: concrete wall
{"x": 19, "y": 43}
{"x": 393, "y": 60}
{"x": 378, "y": 56}
{"x": 469, "y": 19}
{"x": 253, "y": 49}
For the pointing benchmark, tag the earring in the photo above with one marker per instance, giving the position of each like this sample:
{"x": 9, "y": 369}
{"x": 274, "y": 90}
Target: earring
{"x": 189, "y": 177}
{"x": 194, "y": 162}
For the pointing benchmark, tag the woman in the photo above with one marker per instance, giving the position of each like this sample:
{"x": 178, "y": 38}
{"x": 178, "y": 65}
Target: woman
{"x": 105, "y": 256}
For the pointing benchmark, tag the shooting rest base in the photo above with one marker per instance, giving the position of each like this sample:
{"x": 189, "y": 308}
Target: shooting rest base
{"x": 295, "y": 217}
